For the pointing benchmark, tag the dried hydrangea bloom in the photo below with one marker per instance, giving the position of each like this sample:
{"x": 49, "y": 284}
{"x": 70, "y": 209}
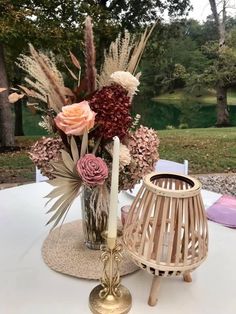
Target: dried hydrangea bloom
{"x": 143, "y": 146}
{"x": 124, "y": 157}
{"x": 44, "y": 151}
{"x": 126, "y": 80}
{"x": 112, "y": 107}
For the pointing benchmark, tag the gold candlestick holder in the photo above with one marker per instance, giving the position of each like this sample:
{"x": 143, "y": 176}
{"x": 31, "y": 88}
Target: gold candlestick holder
{"x": 110, "y": 296}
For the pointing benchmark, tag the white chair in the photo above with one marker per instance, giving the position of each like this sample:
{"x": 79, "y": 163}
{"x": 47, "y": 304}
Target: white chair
{"x": 39, "y": 177}
{"x": 163, "y": 165}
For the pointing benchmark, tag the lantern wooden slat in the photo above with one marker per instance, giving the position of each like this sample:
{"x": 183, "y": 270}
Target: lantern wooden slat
{"x": 166, "y": 229}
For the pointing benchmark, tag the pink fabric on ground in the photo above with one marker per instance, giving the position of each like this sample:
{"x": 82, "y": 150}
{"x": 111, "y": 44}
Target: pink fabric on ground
{"x": 223, "y": 211}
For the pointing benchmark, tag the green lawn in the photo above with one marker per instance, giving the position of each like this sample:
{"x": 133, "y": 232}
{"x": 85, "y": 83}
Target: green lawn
{"x": 209, "y": 150}
{"x": 16, "y": 166}
{"x": 209, "y": 98}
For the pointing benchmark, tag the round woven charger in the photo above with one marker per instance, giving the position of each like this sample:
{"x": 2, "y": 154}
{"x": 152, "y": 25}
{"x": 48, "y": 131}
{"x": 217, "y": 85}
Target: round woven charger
{"x": 64, "y": 251}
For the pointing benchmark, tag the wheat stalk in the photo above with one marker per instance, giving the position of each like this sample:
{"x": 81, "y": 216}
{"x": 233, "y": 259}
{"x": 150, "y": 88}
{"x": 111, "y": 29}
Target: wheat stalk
{"x": 43, "y": 77}
{"x": 124, "y": 54}
{"x": 90, "y": 58}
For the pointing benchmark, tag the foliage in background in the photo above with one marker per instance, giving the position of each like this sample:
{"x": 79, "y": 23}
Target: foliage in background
{"x": 185, "y": 54}
{"x": 57, "y": 25}
{"x": 199, "y": 146}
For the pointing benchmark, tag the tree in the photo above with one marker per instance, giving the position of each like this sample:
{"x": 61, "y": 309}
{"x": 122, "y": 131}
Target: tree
{"x": 6, "y": 121}
{"x": 57, "y": 25}
{"x": 208, "y": 62}
{"x": 13, "y": 27}
{"x": 222, "y": 84}
{"x": 167, "y": 64}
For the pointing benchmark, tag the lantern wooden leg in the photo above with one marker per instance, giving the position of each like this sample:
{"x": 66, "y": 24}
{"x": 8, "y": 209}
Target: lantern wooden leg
{"x": 187, "y": 276}
{"x": 156, "y": 282}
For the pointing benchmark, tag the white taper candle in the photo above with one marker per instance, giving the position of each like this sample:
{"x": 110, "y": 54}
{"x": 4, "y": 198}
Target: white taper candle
{"x": 112, "y": 220}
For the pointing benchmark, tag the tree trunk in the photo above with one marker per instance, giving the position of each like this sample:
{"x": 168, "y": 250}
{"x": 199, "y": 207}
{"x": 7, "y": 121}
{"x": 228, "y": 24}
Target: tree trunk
{"x": 221, "y": 91}
{"x": 6, "y": 117}
{"x": 18, "y": 118}
{"x": 222, "y": 111}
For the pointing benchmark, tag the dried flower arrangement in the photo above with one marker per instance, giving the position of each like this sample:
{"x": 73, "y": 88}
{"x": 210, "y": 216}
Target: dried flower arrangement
{"x": 85, "y": 128}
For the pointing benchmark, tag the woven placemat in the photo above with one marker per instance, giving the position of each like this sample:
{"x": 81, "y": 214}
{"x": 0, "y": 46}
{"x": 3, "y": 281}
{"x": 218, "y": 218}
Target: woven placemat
{"x": 64, "y": 251}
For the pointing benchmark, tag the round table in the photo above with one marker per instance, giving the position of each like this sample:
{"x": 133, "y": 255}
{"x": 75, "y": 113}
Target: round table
{"x": 28, "y": 286}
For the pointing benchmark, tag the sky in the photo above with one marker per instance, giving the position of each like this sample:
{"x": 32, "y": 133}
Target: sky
{"x": 201, "y": 9}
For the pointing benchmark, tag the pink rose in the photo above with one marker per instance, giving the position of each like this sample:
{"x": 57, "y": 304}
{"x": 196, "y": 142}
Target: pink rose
{"x": 93, "y": 170}
{"x": 75, "y": 118}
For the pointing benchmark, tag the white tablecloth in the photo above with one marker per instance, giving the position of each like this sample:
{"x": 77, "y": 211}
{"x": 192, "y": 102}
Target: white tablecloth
{"x": 28, "y": 286}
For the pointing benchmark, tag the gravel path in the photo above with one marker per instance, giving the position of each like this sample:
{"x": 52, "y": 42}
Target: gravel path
{"x": 220, "y": 183}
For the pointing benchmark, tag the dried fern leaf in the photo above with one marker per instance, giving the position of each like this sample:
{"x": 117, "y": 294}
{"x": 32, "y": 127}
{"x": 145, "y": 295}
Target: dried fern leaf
{"x": 50, "y": 76}
{"x": 44, "y": 78}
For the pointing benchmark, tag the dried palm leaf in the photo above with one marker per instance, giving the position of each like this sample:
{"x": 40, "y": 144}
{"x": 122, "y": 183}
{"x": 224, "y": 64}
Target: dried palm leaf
{"x": 67, "y": 184}
{"x": 84, "y": 144}
{"x": 74, "y": 150}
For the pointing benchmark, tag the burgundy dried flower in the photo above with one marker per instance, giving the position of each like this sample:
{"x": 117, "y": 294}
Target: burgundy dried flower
{"x": 45, "y": 150}
{"x": 143, "y": 145}
{"x": 93, "y": 170}
{"x": 112, "y": 107}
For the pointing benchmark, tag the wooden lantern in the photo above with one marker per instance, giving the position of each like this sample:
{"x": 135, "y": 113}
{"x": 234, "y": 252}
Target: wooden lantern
{"x": 166, "y": 229}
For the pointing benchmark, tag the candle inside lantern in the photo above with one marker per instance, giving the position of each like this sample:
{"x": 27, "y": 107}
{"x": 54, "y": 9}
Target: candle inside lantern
{"x": 112, "y": 221}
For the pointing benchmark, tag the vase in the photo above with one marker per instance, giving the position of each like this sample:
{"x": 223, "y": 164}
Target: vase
{"x": 94, "y": 225}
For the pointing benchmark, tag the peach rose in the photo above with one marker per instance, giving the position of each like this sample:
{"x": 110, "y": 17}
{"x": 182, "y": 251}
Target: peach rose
{"x": 75, "y": 118}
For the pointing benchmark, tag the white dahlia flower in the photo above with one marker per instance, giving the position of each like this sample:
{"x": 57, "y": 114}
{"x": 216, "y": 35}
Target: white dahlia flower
{"x": 126, "y": 80}
{"x": 124, "y": 156}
